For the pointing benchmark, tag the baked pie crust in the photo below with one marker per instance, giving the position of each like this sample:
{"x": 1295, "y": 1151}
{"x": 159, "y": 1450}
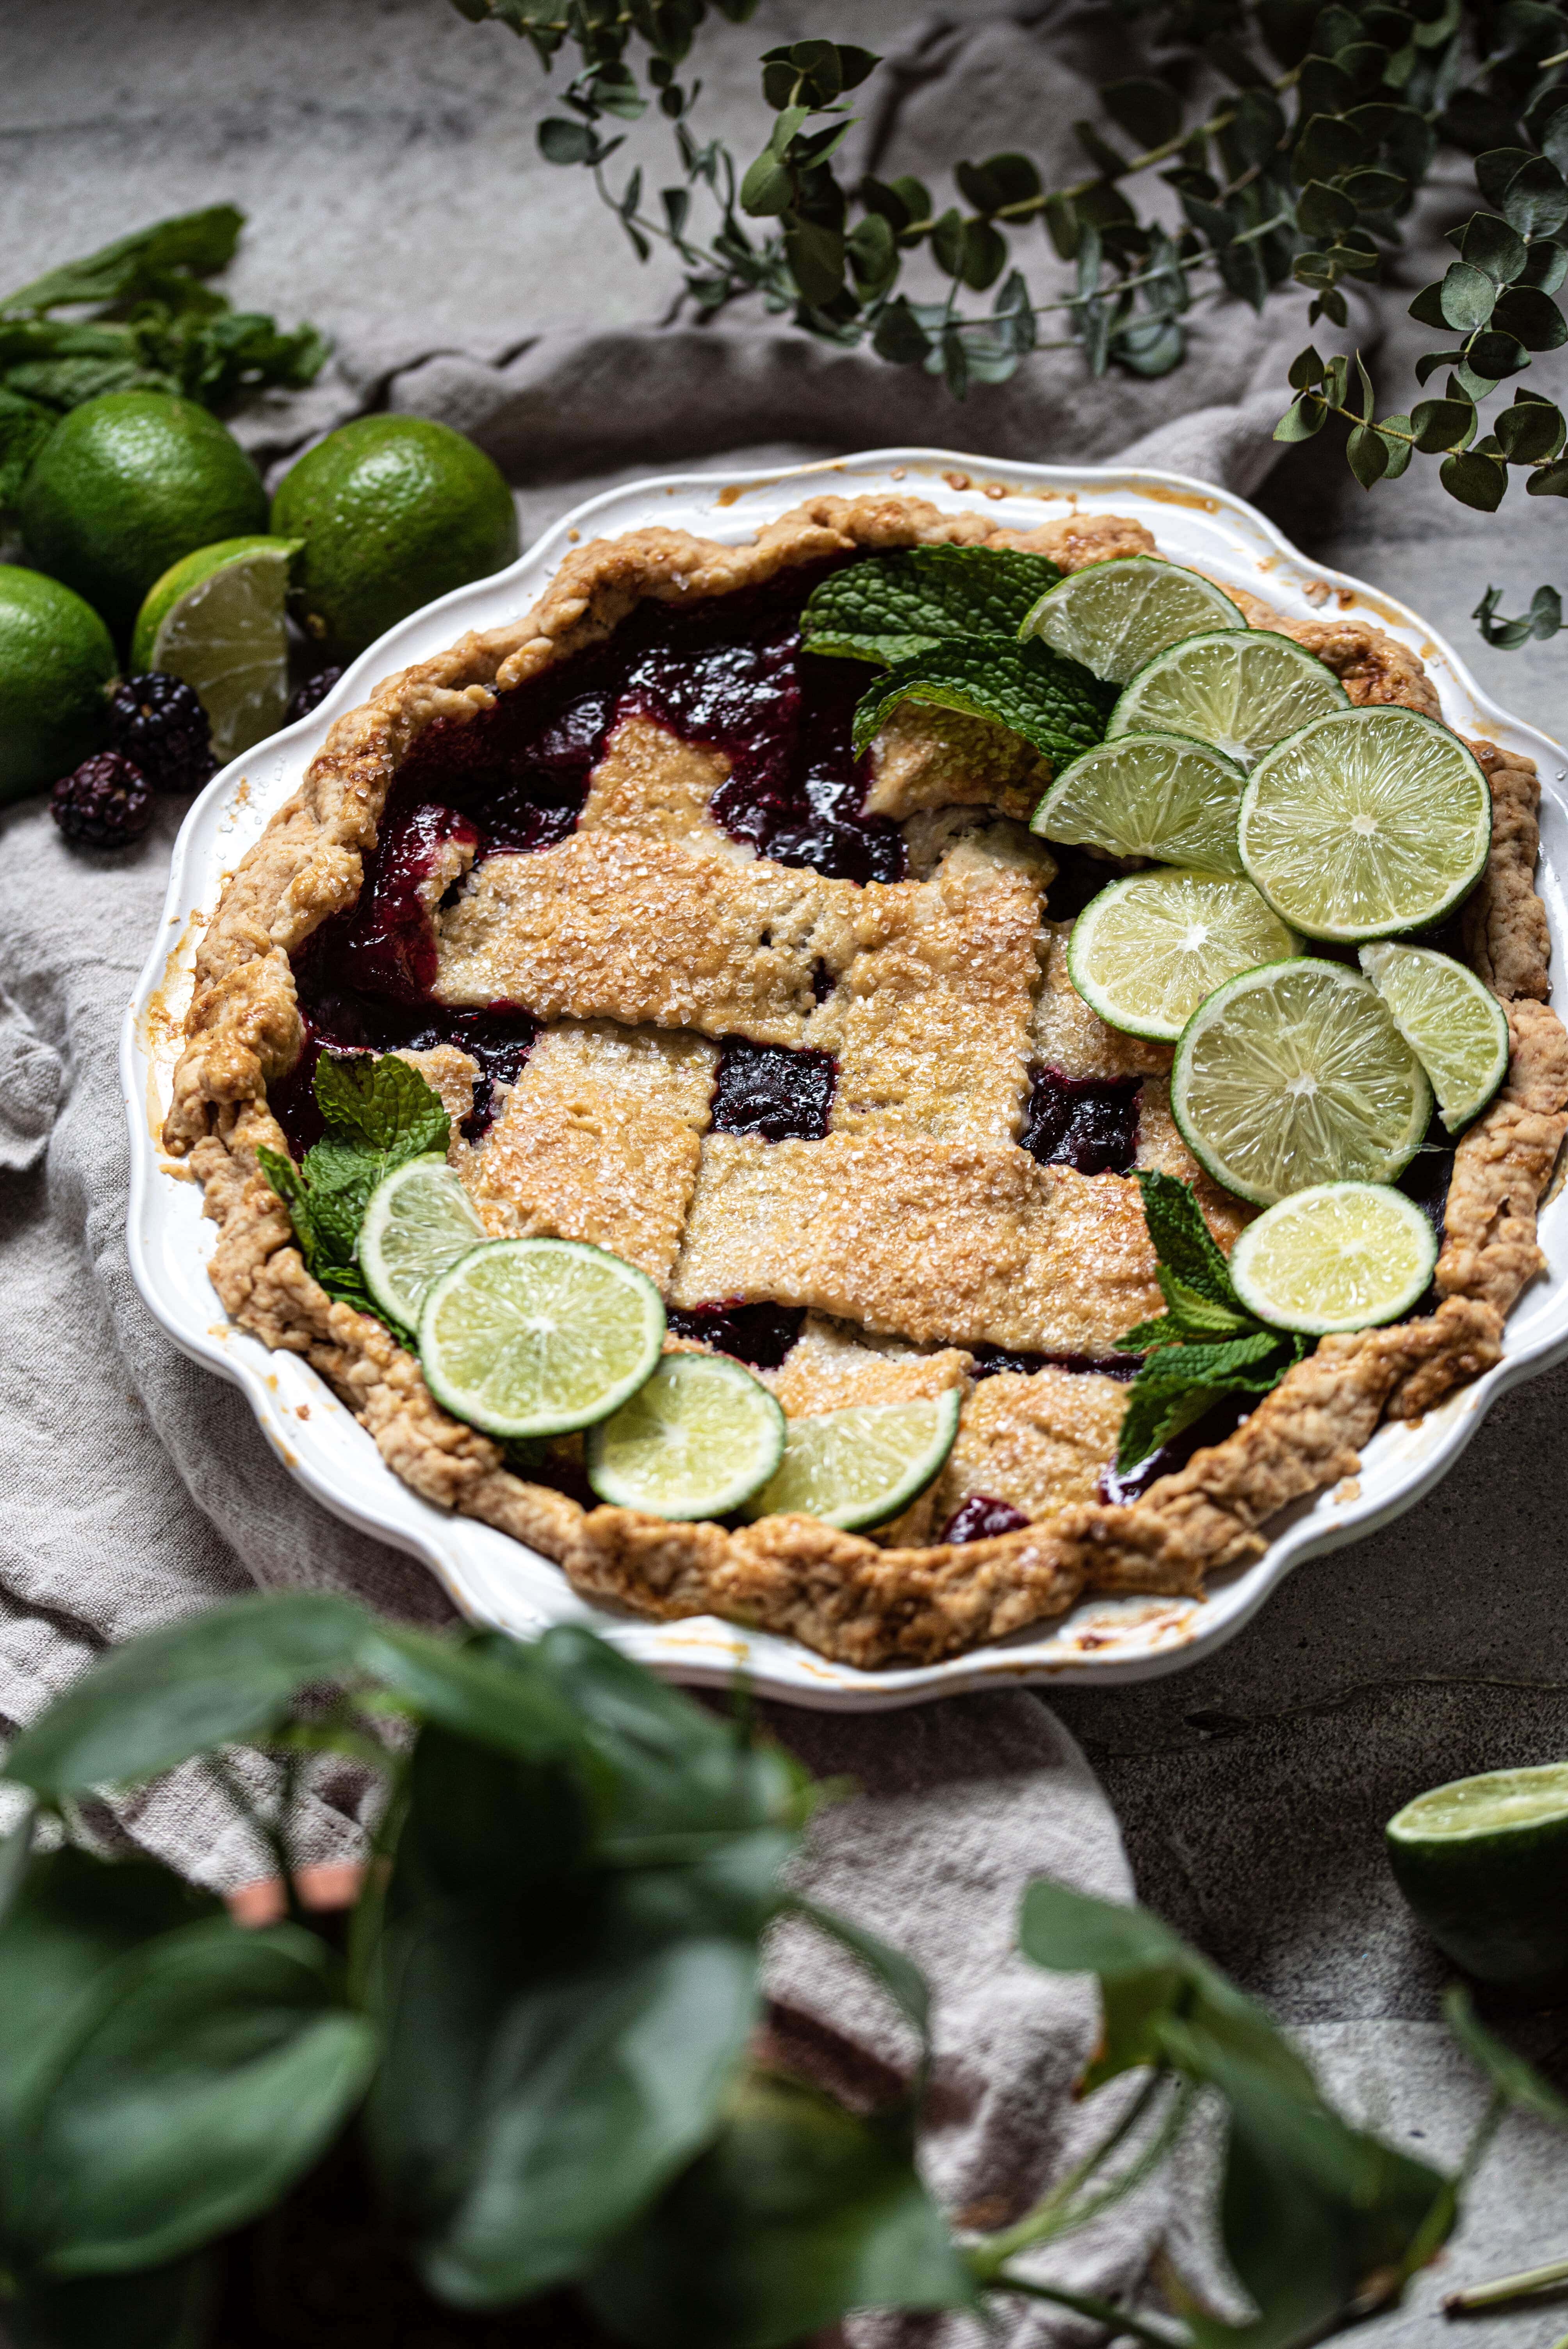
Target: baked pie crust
{"x": 912, "y": 1230}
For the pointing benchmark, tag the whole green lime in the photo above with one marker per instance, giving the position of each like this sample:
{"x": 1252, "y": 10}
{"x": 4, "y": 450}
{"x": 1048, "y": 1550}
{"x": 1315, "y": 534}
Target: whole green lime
{"x": 128, "y": 484}
{"x": 55, "y": 659}
{"x": 394, "y": 510}
{"x": 1483, "y": 1862}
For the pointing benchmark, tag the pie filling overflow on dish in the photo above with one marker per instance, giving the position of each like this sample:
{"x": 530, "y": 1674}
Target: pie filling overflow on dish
{"x": 792, "y": 1032}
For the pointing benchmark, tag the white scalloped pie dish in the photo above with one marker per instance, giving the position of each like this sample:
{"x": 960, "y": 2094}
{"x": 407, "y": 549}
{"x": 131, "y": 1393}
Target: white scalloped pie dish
{"x": 497, "y": 1580}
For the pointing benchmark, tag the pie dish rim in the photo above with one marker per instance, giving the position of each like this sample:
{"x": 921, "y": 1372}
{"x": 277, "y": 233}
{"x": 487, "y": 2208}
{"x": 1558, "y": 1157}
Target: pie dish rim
{"x": 472, "y": 1560}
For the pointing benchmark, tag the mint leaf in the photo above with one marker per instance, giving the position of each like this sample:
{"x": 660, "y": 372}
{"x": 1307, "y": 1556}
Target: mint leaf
{"x": 1153, "y": 1418}
{"x": 1240, "y": 1363}
{"x": 891, "y": 606}
{"x": 380, "y": 1113}
{"x": 1054, "y": 703}
{"x": 1184, "y": 1242}
{"x": 196, "y": 244}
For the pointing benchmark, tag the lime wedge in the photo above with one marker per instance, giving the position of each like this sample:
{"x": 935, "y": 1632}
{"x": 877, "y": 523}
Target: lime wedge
{"x": 1241, "y": 689}
{"x": 695, "y": 1441}
{"x": 1294, "y": 1075}
{"x": 860, "y": 1467}
{"x": 1365, "y": 822}
{"x": 1114, "y": 616}
{"x": 1455, "y": 1026}
{"x": 1154, "y": 795}
{"x": 216, "y": 619}
{"x": 1146, "y": 950}
{"x": 535, "y": 1337}
{"x": 1342, "y": 1255}
{"x": 1483, "y": 1862}
{"x": 418, "y": 1222}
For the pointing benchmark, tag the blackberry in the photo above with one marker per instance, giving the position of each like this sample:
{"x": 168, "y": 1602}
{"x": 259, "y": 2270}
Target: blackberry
{"x": 158, "y": 722}
{"x": 104, "y": 804}
{"x": 305, "y": 697}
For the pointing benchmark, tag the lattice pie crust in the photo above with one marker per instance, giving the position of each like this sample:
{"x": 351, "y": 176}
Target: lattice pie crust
{"x": 918, "y": 1226}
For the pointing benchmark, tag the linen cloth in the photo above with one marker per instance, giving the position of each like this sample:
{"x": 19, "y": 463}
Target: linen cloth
{"x": 139, "y": 1488}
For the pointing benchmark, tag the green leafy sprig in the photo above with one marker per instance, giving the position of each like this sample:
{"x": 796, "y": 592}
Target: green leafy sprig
{"x": 1205, "y": 1345}
{"x": 945, "y": 620}
{"x": 141, "y": 320}
{"x": 539, "y": 2036}
{"x": 380, "y": 1113}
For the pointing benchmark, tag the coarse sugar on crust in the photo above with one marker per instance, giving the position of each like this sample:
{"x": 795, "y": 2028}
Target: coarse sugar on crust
{"x": 855, "y": 1600}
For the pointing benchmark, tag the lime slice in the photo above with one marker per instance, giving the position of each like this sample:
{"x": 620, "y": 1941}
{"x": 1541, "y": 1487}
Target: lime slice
{"x": 1241, "y": 689}
{"x": 1146, "y": 950}
{"x": 1455, "y": 1026}
{"x": 216, "y": 619}
{"x": 535, "y": 1337}
{"x": 1483, "y": 1862}
{"x": 1367, "y": 822}
{"x": 1114, "y": 616}
{"x": 419, "y": 1221}
{"x": 1155, "y": 795}
{"x": 1294, "y": 1075}
{"x": 695, "y": 1441}
{"x": 860, "y": 1467}
{"x": 1343, "y": 1256}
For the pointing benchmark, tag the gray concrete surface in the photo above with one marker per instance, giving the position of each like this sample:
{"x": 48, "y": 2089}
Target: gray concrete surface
{"x": 384, "y": 151}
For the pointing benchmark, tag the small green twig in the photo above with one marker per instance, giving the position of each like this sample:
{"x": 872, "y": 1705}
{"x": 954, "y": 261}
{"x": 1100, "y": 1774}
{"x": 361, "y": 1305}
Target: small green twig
{"x": 987, "y": 2257}
{"x": 1508, "y": 2287}
{"x": 1104, "y": 2311}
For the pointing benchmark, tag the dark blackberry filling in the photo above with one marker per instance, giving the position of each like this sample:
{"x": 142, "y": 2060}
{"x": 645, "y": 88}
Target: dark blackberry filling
{"x": 979, "y": 1518}
{"x": 989, "y": 1359}
{"x": 728, "y": 675}
{"x": 1088, "y": 1123}
{"x": 767, "y": 1090}
{"x": 758, "y": 1334}
{"x": 1226, "y": 1417}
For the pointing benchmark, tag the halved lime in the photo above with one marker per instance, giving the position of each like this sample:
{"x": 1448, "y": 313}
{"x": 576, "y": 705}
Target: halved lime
{"x": 420, "y": 1220}
{"x": 1114, "y": 616}
{"x": 1159, "y": 795}
{"x": 1342, "y": 1255}
{"x": 695, "y": 1441}
{"x": 1146, "y": 950}
{"x": 1483, "y": 1862}
{"x": 860, "y": 1467}
{"x": 1365, "y": 822}
{"x": 1456, "y": 1027}
{"x": 536, "y": 1337}
{"x": 216, "y": 619}
{"x": 1241, "y": 689}
{"x": 1294, "y": 1075}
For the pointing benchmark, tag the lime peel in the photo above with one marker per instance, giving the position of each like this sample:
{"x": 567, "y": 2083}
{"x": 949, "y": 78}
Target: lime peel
{"x": 1161, "y": 795}
{"x": 1452, "y": 1022}
{"x": 1241, "y": 689}
{"x": 537, "y": 1337}
{"x": 216, "y": 619}
{"x": 1115, "y": 616}
{"x": 1149, "y": 948}
{"x": 419, "y": 1221}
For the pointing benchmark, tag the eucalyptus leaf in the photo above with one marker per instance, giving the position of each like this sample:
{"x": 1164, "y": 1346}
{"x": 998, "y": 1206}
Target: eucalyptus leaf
{"x": 1474, "y": 480}
{"x": 1468, "y": 298}
{"x": 1367, "y": 453}
{"x": 1529, "y": 430}
{"x": 798, "y": 2214}
{"x": 216, "y": 2072}
{"x": 227, "y": 1674}
{"x": 1535, "y": 201}
{"x": 1532, "y": 317}
{"x": 1440, "y": 424}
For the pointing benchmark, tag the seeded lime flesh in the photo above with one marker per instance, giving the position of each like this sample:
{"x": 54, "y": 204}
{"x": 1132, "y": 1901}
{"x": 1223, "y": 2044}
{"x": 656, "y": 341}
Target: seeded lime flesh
{"x": 859, "y": 1467}
{"x": 418, "y": 1223}
{"x": 1342, "y": 1255}
{"x": 1115, "y": 617}
{"x": 1365, "y": 822}
{"x": 1147, "y": 949}
{"x": 1293, "y": 1075}
{"x": 1455, "y": 1025}
{"x": 1241, "y": 689}
{"x": 1483, "y": 1862}
{"x": 1155, "y": 795}
{"x": 394, "y": 510}
{"x": 57, "y": 659}
{"x": 695, "y": 1441}
{"x": 525, "y": 1338}
{"x": 124, "y": 486}
{"x": 216, "y": 619}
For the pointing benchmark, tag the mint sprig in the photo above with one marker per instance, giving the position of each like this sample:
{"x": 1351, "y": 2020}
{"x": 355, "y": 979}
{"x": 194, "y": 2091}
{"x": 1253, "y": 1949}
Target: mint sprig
{"x": 1205, "y": 1345}
{"x": 1054, "y": 703}
{"x": 380, "y": 1113}
{"x": 892, "y": 606}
